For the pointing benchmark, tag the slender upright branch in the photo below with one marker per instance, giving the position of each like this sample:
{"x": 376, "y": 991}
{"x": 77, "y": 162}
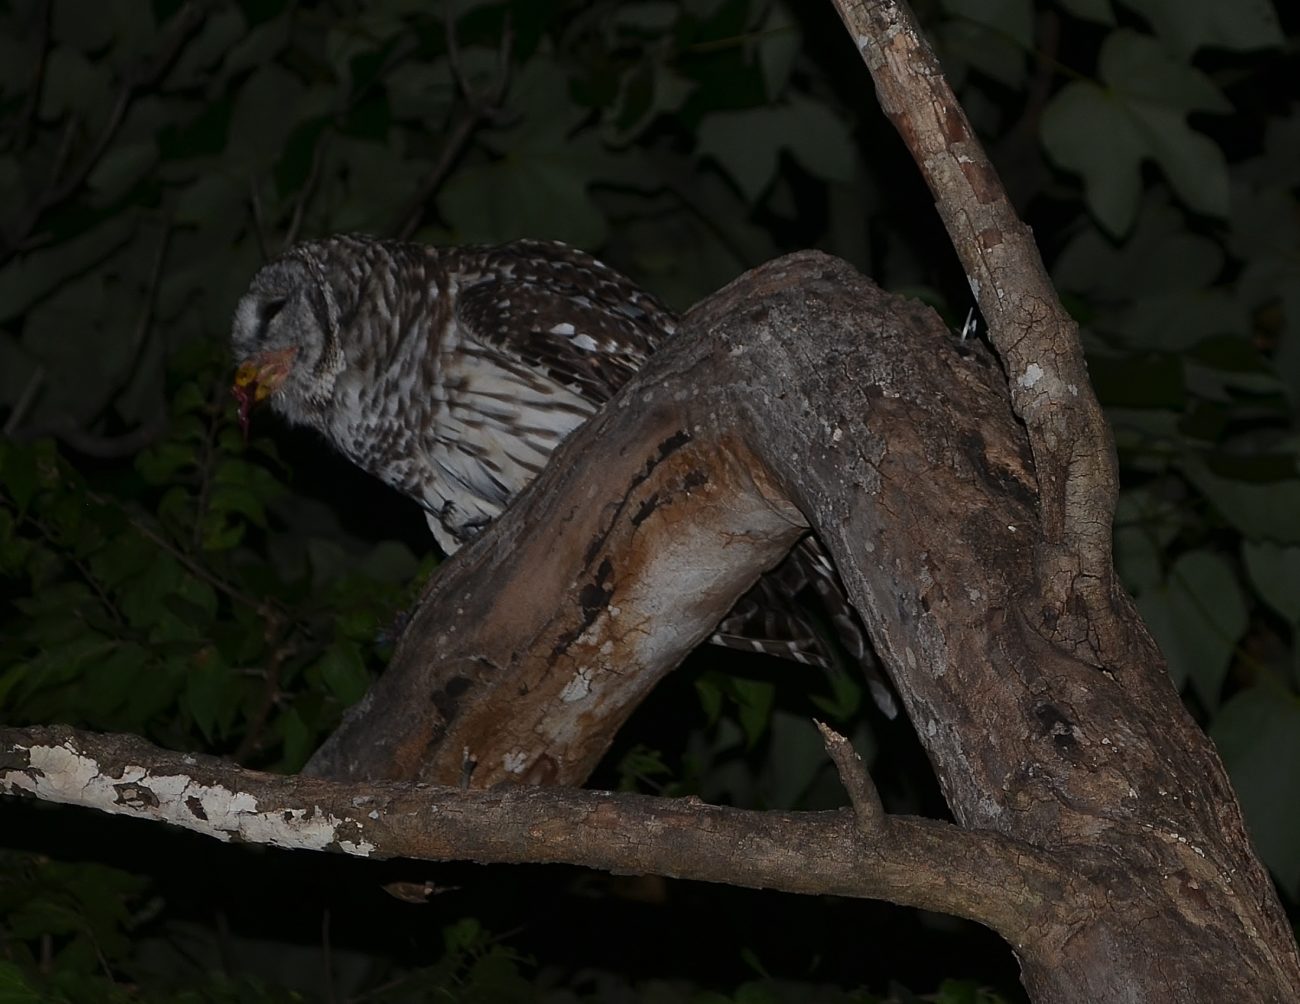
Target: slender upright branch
{"x": 1038, "y": 341}
{"x": 480, "y": 105}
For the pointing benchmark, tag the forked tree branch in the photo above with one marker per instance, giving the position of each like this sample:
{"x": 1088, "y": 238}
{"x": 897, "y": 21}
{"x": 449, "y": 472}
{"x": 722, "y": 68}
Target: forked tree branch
{"x": 1035, "y": 337}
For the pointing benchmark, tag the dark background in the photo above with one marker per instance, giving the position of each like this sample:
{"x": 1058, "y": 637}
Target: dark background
{"x": 159, "y": 575}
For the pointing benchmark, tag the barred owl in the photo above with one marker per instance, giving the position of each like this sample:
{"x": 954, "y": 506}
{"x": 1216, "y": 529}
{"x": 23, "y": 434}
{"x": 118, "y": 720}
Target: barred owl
{"x": 452, "y": 373}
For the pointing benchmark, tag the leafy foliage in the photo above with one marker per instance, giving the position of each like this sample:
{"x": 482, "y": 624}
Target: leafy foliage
{"x": 161, "y": 576}
{"x": 178, "y": 599}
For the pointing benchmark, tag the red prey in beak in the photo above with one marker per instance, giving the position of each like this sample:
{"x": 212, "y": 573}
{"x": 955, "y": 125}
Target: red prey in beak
{"x": 257, "y": 379}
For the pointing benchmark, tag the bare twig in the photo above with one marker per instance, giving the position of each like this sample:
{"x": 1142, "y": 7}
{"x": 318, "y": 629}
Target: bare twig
{"x": 264, "y": 608}
{"x": 62, "y": 186}
{"x": 83, "y": 570}
{"x": 27, "y": 119}
{"x": 259, "y": 219}
{"x": 68, "y": 429}
{"x": 1018, "y": 151}
{"x": 115, "y": 447}
{"x": 408, "y": 218}
{"x": 204, "y": 463}
{"x": 308, "y": 190}
{"x": 25, "y": 400}
{"x": 145, "y": 324}
{"x": 252, "y": 741}
{"x": 857, "y": 782}
{"x": 480, "y": 105}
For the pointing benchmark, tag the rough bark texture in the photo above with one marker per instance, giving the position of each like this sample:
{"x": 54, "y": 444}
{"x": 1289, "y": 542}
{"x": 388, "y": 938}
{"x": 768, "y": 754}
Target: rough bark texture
{"x": 530, "y": 678}
{"x": 1101, "y": 756}
{"x": 1036, "y": 339}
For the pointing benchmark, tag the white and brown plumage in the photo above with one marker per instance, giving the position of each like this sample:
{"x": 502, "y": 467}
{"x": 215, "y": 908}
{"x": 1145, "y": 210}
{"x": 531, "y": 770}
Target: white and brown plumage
{"x": 452, "y": 373}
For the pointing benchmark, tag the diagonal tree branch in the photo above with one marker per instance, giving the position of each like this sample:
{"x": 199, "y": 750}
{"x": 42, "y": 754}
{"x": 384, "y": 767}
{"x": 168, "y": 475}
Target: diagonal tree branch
{"x": 1096, "y": 827}
{"x": 800, "y": 390}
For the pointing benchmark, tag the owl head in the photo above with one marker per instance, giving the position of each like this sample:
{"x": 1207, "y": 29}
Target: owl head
{"x": 286, "y": 335}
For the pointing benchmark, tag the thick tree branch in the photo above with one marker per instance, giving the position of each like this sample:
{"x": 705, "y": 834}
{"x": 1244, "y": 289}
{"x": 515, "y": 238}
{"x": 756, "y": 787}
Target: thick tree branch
{"x": 1096, "y": 826}
{"x": 936, "y": 866}
{"x": 803, "y": 391}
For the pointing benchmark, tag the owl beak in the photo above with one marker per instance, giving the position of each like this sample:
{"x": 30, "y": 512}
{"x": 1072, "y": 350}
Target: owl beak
{"x": 258, "y": 378}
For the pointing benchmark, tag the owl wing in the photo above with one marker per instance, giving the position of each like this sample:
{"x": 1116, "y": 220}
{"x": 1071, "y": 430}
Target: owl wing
{"x": 560, "y": 313}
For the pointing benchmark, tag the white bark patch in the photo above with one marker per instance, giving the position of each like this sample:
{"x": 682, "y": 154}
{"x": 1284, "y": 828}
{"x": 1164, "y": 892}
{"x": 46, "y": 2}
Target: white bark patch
{"x": 580, "y": 686}
{"x": 514, "y": 763}
{"x": 61, "y": 774}
{"x": 1033, "y": 373}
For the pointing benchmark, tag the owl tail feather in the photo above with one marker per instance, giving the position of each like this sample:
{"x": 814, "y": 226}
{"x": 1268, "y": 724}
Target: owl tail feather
{"x": 799, "y": 611}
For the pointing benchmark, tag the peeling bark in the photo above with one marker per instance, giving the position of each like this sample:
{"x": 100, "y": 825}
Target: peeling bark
{"x": 921, "y": 862}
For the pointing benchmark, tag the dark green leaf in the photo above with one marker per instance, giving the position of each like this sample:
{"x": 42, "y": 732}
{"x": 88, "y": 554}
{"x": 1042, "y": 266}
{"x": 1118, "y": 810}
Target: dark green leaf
{"x": 747, "y": 143}
{"x": 1100, "y": 11}
{"x": 1197, "y": 616}
{"x": 754, "y": 700}
{"x": 1258, "y": 735}
{"x": 1260, "y": 510}
{"x": 210, "y": 696}
{"x": 1188, "y": 25}
{"x": 344, "y": 674}
{"x": 1142, "y": 112}
{"x": 14, "y": 989}
{"x": 1275, "y": 574}
{"x": 298, "y": 740}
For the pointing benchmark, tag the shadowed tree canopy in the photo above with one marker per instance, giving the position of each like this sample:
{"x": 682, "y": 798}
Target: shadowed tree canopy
{"x": 164, "y": 582}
